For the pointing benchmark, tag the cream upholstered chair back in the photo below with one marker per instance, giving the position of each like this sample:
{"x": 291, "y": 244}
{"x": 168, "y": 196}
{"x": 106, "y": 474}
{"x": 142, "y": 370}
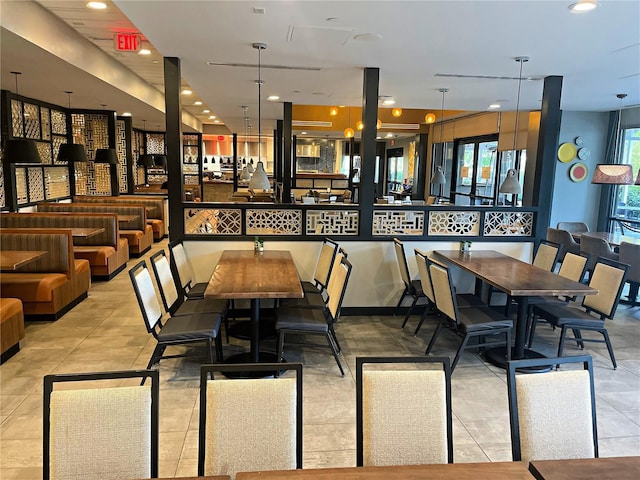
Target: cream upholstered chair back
{"x": 552, "y": 414}
{"x": 250, "y": 424}
{"x": 402, "y": 262}
{"x": 338, "y": 285}
{"x": 325, "y": 262}
{"x": 442, "y": 289}
{"x": 573, "y": 227}
{"x": 425, "y": 278}
{"x": 608, "y": 278}
{"x": 164, "y": 279}
{"x": 183, "y": 266}
{"x": 546, "y": 256}
{"x": 101, "y": 433}
{"x": 630, "y": 254}
{"x": 573, "y": 266}
{"x": 146, "y": 295}
{"x": 403, "y": 412}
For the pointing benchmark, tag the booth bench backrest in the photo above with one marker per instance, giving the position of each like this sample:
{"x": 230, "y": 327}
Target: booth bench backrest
{"x": 108, "y": 221}
{"x": 154, "y": 206}
{"x": 57, "y": 243}
{"x": 139, "y": 223}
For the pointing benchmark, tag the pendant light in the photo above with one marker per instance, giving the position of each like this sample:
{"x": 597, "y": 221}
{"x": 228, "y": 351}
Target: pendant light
{"x": 511, "y": 184}
{"x": 396, "y": 112}
{"x": 438, "y": 178}
{"x": 615, "y": 173}
{"x": 348, "y": 132}
{"x": 106, "y": 155}
{"x": 71, "y": 152}
{"x": 20, "y": 150}
{"x": 429, "y": 118}
{"x": 259, "y": 179}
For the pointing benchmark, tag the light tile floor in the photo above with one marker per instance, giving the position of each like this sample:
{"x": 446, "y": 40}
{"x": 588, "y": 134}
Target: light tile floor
{"x": 106, "y": 332}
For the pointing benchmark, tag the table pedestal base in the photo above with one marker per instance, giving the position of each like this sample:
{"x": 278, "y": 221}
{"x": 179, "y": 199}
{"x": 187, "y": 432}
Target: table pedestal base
{"x": 266, "y": 357}
{"x": 242, "y": 330}
{"x": 498, "y": 357}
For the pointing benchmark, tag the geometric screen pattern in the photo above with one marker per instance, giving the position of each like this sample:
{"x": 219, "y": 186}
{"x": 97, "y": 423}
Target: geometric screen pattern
{"x": 274, "y": 222}
{"x": 454, "y": 223}
{"x": 56, "y": 182}
{"x": 201, "y": 221}
{"x": 121, "y": 148}
{"x": 3, "y": 202}
{"x": 21, "y": 186}
{"x": 16, "y": 118}
{"x": 397, "y": 222}
{"x": 498, "y": 224}
{"x": 36, "y": 186}
{"x": 332, "y": 222}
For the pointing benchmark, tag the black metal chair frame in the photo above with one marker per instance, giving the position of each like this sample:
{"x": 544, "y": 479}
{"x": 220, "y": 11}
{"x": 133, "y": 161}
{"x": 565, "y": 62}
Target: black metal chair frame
{"x": 160, "y": 347}
{"x": 188, "y": 290}
{"x": 317, "y": 283}
{"x": 514, "y": 365}
{"x": 361, "y": 361}
{"x": 410, "y": 289}
{"x": 207, "y": 372}
{"x": 430, "y": 309}
{"x": 51, "y": 380}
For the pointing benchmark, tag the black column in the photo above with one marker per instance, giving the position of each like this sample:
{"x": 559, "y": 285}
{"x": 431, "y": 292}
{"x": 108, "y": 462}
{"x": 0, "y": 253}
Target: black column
{"x": 113, "y": 169}
{"x": 173, "y": 139}
{"x": 278, "y": 143}
{"x": 550, "y": 118}
{"x": 235, "y": 161}
{"x": 421, "y": 153}
{"x": 368, "y": 148}
{"x": 286, "y": 154}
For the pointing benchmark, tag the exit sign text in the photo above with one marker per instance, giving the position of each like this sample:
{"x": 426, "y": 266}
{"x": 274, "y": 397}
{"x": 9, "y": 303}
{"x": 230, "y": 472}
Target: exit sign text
{"x": 127, "y": 42}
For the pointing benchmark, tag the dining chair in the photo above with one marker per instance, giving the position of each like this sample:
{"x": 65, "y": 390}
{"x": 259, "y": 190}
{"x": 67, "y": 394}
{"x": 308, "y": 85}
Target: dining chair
{"x": 412, "y": 288}
{"x": 184, "y": 272}
{"x": 250, "y": 424}
{"x": 630, "y": 254}
{"x": 573, "y": 227}
{"x": 313, "y": 321}
{"x": 565, "y": 240}
{"x": 596, "y": 247}
{"x": 608, "y": 278}
{"x": 403, "y": 411}
{"x": 465, "y": 322}
{"x": 323, "y": 268}
{"x": 175, "y": 304}
{"x": 183, "y": 330}
{"x": 553, "y": 414}
{"x": 464, "y": 299}
{"x": 94, "y": 430}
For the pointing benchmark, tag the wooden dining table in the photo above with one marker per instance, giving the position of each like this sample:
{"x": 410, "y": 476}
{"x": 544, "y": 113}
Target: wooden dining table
{"x": 518, "y": 279}
{"x": 608, "y": 468}
{"x": 11, "y": 260}
{"x": 245, "y": 274}
{"x": 458, "y": 471}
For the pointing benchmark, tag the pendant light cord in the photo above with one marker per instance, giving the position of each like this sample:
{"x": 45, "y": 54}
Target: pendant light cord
{"x": 259, "y": 47}
{"x": 443, "y": 91}
{"x": 520, "y": 60}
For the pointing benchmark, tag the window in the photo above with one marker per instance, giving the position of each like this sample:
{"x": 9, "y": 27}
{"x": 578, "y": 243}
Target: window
{"x": 626, "y": 205}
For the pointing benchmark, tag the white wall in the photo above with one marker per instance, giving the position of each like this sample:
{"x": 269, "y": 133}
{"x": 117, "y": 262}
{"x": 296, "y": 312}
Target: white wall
{"x": 375, "y": 278}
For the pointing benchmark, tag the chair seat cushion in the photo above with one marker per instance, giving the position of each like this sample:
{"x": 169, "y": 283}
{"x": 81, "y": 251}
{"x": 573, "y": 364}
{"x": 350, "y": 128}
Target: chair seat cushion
{"x": 197, "y": 291}
{"x": 309, "y": 287}
{"x": 466, "y": 300}
{"x": 310, "y": 300}
{"x": 194, "y": 327}
{"x": 560, "y": 314}
{"x": 301, "y": 319}
{"x": 202, "y": 305}
{"x": 474, "y": 319}
{"x": 96, "y": 255}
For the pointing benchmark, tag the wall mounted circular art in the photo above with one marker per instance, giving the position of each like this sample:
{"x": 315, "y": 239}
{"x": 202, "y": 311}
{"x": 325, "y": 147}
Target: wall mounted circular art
{"x": 578, "y": 172}
{"x": 566, "y": 152}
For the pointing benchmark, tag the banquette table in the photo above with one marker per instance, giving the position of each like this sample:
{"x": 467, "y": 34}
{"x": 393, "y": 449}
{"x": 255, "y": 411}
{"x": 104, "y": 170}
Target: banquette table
{"x": 11, "y": 260}
{"x": 518, "y": 279}
{"x": 245, "y": 274}
{"x": 613, "y": 468}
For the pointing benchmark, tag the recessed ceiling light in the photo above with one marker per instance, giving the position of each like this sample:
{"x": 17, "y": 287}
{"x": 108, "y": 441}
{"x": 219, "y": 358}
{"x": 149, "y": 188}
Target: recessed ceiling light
{"x": 332, "y": 19}
{"x": 493, "y": 106}
{"x": 197, "y": 102}
{"x": 206, "y": 111}
{"x": 389, "y": 135}
{"x": 303, "y": 133}
{"x": 389, "y": 101}
{"x": 216, "y": 121}
{"x": 583, "y": 6}
{"x": 186, "y": 91}
{"x": 211, "y": 117}
{"x": 97, "y": 5}
{"x": 367, "y": 37}
{"x": 125, "y": 114}
{"x": 155, "y": 61}
{"x": 273, "y": 98}
{"x": 144, "y": 51}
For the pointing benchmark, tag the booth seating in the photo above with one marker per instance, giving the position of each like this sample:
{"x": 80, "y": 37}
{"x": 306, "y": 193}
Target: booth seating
{"x": 106, "y": 252}
{"x": 137, "y": 232}
{"x": 11, "y": 327}
{"x": 341, "y": 195}
{"x": 154, "y": 207}
{"x": 54, "y": 283}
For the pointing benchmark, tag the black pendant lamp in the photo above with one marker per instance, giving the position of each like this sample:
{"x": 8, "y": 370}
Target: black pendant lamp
{"x": 72, "y": 153}
{"x": 21, "y": 150}
{"x": 106, "y": 155}
{"x": 146, "y": 160}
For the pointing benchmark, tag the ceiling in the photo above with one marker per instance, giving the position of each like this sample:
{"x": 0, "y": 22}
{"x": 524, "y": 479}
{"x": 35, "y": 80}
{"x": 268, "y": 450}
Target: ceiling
{"x": 316, "y": 52}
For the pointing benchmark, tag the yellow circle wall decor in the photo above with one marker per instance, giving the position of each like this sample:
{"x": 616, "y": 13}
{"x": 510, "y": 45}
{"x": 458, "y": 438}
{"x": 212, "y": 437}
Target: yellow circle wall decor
{"x": 567, "y": 152}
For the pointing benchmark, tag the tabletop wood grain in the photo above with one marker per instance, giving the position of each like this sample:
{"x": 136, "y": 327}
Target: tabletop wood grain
{"x": 245, "y": 274}
{"x": 512, "y": 276}
{"x": 612, "y": 468}
{"x": 459, "y": 471}
{"x": 11, "y": 260}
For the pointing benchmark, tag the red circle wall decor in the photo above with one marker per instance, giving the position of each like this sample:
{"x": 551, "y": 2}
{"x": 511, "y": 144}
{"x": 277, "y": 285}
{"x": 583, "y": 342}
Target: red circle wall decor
{"x": 578, "y": 172}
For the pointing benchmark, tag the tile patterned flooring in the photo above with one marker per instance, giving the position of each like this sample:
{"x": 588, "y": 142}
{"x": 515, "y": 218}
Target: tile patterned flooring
{"x": 106, "y": 332}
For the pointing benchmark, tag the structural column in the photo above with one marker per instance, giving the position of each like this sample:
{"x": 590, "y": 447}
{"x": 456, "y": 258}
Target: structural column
{"x": 173, "y": 139}
{"x": 287, "y": 151}
{"x": 371, "y": 81}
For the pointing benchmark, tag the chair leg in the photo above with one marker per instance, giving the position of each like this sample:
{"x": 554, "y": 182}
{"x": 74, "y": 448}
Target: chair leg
{"x": 461, "y": 348}
{"x": 335, "y": 352}
{"x": 508, "y": 335}
{"x": 218, "y": 341}
{"x": 605, "y": 334}
{"x": 578, "y": 336}
{"x": 404, "y": 294}
{"x": 532, "y": 329}
{"x": 413, "y": 304}
{"x": 335, "y": 339}
{"x": 433, "y": 338}
{"x": 280, "y": 345}
{"x": 427, "y": 311}
{"x": 210, "y": 348}
{"x": 156, "y": 355}
{"x": 563, "y": 333}
{"x": 507, "y": 306}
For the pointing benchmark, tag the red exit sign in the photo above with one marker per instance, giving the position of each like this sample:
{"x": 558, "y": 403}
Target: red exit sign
{"x": 127, "y": 42}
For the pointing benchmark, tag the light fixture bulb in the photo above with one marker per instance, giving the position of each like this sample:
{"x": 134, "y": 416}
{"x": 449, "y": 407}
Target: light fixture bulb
{"x": 360, "y": 125}
{"x": 348, "y": 132}
{"x": 97, "y": 5}
{"x": 396, "y": 112}
{"x": 333, "y": 111}
{"x": 583, "y": 6}
{"x": 430, "y": 118}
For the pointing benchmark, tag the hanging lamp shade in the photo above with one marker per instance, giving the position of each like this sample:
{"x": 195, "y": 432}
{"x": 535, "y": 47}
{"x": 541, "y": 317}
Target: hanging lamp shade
{"x": 333, "y": 111}
{"x": 396, "y": 112}
{"x": 160, "y": 161}
{"x": 259, "y": 179}
{"x": 360, "y": 125}
{"x": 510, "y": 184}
{"x": 21, "y": 150}
{"x": 438, "y": 177}
{"x": 250, "y": 168}
{"x": 348, "y": 132}
{"x": 613, "y": 174}
{"x": 146, "y": 160}
{"x": 72, "y": 153}
{"x": 106, "y": 155}
{"x": 244, "y": 175}
{"x": 430, "y": 118}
